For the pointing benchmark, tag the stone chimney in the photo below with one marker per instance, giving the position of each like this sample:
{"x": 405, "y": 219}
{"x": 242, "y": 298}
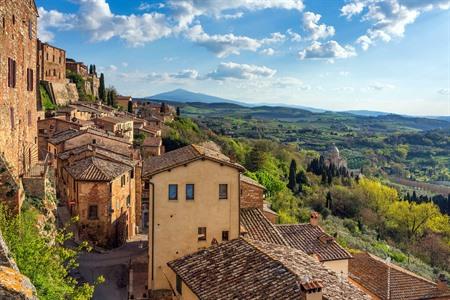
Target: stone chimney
{"x": 314, "y": 218}
{"x": 311, "y": 289}
{"x": 442, "y": 283}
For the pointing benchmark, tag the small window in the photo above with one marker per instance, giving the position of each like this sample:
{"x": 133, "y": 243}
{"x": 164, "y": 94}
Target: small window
{"x": 11, "y": 117}
{"x": 30, "y": 29}
{"x": 225, "y": 236}
{"x": 146, "y": 185}
{"x": 179, "y": 285}
{"x": 128, "y": 201}
{"x": 122, "y": 181}
{"x": 223, "y": 191}
{"x": 132, "y": 174}
{"x": 30, "y": 78}
{"x": 11, "y": 73}
{"x": 202, "y": 233}
{"x": 173, "y": 191}
{"x": 14, "y": 19}
{"x": 94, "y": 141}
{"x": 93, "y": 212}
{"x": 189, "y": 192}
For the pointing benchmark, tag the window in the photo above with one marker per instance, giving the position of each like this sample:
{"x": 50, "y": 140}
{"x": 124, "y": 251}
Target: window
{"x": 225, "y": 236}
{"x": 30, "y": 29}
{"x": 223, "y": 191}
{"x": 132, "y": 174}
{"x": 179, "y": 284}
{"x": 54, "y": 58}
{"x": 122, "y": 181}
{"x": 93, "y": 212}
{"x": 14, "y": 19}
{"x": 202, "y": 233}
{"x": 189, "y": 192}
{"x": 173, "y": 191}
{"x": 11, "y": 73}
{"x": 147, "y": 185}
{"x": 94, "y": 141}
{"x": 29, "y": 117}
{"x": 30, "y": 80}
{"x": 128, "y": 201}
{"x": 11, "y": 117}
{"x": 4, "y": 22}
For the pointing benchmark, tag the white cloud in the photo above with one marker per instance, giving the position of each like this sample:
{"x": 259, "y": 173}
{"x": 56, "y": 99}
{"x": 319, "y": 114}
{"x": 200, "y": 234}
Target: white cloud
{"x": 268, "y": 51}
{"x": 316, "y": 31}
{"x": 328, "y": 50}
{"x": 233, "y": 70}
{"x": 186, "y": 74}
{"x": 274, "y": 38}
{"x": 351, "y": 9}
{"x": 379, "y": 86}
{"x": 185, "y": 11}
{"x": 96, "y": 18}
{"x": 149, "y": 6}
{"x": 234, "y": 16}
{"x": 295, "y": 37}
{"x": 388, "y": 18}
{"x": 444, "y": 92}
{"x": 227, "y": 44}
{"x": 53, "y": 19}
{"x": 111, "y": 68}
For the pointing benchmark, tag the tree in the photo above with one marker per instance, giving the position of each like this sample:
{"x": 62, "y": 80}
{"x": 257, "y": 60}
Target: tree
{"x": 178, "y": 111}
{"x": 130, "y": 106}
{"x": 292, "y": 184}
{"x": 111, "y": 96}
{"x": 329, "y": 203}
{"x": 102, "y": 89}
{"x": 91, "y": 69}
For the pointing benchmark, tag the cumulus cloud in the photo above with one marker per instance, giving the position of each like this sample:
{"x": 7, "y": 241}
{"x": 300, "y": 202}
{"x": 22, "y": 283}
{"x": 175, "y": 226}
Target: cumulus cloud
{"x": 388, "y": 18}
{"x": 294, "y": 37}
{"x": 186, "y": 74}
{"x": 150, "y": 6}
{"x": 96, "y": 18}
{"x": 233, "y": 70}
{"x": 274, "y": 38}
{"x": 379, "y": 86}
{"x": 315, "y": 30}
{"x": 329, "y": 50}
{"x": 185, "y": 11}
{"x": 53, "y": 19}
{"x": 268, "y": 51}
{"x": 444, "y": 92}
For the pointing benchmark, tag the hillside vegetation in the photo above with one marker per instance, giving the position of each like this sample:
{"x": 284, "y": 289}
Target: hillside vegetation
{"x": 362, "y": 213}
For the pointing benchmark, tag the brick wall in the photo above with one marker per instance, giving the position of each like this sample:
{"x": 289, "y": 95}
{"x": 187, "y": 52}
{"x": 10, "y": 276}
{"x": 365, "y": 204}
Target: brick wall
{"x": 18, "y": 105}
{"x": 51, "y": 63}
{"x": 251, "y": 195}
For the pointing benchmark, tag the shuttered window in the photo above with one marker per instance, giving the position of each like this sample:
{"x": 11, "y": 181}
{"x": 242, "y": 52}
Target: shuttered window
{"x": 11, "y": 73}
{"x": 30, "y": 78}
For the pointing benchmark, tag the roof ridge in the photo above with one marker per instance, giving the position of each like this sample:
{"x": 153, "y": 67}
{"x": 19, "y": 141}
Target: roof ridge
{"x": 272, "y": 226}
{"x": 399, "y": 268}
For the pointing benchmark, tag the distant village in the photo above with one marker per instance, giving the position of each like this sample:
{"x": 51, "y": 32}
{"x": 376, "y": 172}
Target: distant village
{"x": 208, "y": 231}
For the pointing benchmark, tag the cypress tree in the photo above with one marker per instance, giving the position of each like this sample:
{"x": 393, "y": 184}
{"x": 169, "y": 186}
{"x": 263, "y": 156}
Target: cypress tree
{"x": 292, "y": 174}
{"x": 101, "y": 88}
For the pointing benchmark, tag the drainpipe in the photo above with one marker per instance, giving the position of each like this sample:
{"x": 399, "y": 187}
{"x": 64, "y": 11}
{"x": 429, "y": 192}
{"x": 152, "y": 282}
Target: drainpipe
{"x": 153, "y": 231}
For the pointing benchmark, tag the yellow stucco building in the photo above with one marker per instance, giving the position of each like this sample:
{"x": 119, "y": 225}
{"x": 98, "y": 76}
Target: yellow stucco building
{"x": 193, "y": 203}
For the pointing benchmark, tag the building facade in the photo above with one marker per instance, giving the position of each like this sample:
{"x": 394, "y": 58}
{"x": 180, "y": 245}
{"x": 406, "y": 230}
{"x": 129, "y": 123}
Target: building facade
{"x": 51, "y": 63}
{"x": 18, "y": 104}
{"x": 194, "y": 202}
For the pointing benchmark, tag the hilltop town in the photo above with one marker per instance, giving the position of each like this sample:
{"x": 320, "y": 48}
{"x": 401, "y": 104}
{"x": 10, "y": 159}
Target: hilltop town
{"x": 128, "y": 199}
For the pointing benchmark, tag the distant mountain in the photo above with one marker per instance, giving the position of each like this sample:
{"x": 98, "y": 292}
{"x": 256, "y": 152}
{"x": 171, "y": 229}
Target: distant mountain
{"x": 185, "y": 96}
{"x": 366, "y": 113}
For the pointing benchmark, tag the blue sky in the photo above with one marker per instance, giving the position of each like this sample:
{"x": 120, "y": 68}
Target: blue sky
{"x": 385, "y": 55}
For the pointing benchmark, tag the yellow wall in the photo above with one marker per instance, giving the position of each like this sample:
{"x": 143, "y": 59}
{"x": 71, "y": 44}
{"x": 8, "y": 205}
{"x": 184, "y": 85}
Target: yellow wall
{"x": 177, "y": 221}
{"x": 338, "y": 266}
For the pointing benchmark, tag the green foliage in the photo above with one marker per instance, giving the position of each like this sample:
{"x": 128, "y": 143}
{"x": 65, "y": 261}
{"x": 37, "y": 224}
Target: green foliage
{"x": 139, "y": 138}
{"x": 47, "y": 103}
{"x": 111, "y": 96}
{"x": 46, "y": 264}
{"x": 102, "y": 88}
{"x": 80, "y": 84}
{"x": 182, "y": 132}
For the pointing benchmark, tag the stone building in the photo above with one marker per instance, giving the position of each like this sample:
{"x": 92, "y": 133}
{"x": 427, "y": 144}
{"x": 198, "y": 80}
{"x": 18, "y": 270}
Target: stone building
{"x": 249, "y": 269}
{"x": 77, "y": 67}
{"x": 152, "y": 146}
{"x": 101, "y": 192}
{"x": 333, "y": 156}
{"x": 122, "y": 127}
{"x": 124, "y": 101}
{"x": 51, "y": 63}
{"x": 193, "y": 195}
{"x": 47, "y": 128}
{"x": 18, "y": 105}
{"x": 253, "y": 195}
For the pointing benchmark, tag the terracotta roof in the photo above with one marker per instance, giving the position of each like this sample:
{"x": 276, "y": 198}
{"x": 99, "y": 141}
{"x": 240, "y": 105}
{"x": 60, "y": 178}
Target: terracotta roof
{"x": 152, "y": 141}
{"x": 247, "y": 269}
{"x": 267, "y": 208}
{"x": 114, "y": 119}
{"x": 71, "y": 133}
{"x": 312, "y": 240}
{"x": 371, "y": 273}
{"x": 107, "y": 153}
{"x": 96, "y": 169}
{"x": 182, "y": 156}
{"x": 251, "y": 181}
{"x": 259, "y": 228}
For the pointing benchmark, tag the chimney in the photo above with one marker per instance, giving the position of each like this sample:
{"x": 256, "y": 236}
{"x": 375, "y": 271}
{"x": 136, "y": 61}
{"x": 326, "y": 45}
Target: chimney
{"x": 311, "y": 289}
{"x": 314, "y": 218}
{"x": 442, "y": 283}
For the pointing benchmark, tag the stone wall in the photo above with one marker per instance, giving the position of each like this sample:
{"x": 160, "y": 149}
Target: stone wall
{"x": 251, "y": 195}
{"x": 13, "y": 284}
{"x": 65, "y": 93}
{"x": 18, "y": 105}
